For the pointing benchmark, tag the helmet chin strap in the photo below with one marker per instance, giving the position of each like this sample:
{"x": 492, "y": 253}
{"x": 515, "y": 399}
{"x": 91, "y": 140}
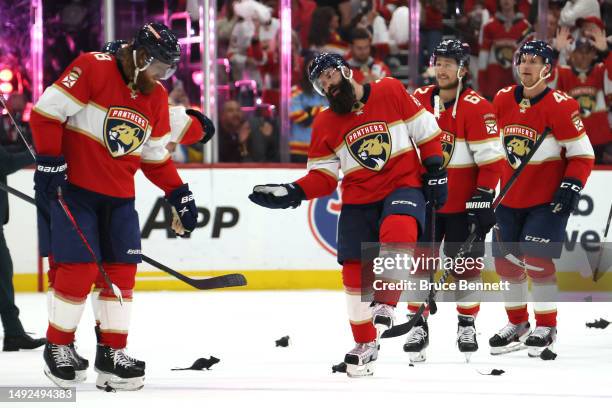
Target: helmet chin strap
{"x": 542, "y": 78}
{"x": 138, "y": 70}
{"x": 459, "y": 86}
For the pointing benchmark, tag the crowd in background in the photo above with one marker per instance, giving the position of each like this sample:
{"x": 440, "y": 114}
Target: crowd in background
{"x": 373, "y": 36}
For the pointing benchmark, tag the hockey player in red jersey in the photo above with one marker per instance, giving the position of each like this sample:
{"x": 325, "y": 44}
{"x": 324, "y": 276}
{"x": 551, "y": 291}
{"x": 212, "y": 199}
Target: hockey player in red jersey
{"x": 366, "y": 133}
{"x": 105, "y": 118}
{"x": 473, "y": 158}
{"x": 498, "y": 43}
{"x": 533, "y": 215}
{"x": 590, "y": 83}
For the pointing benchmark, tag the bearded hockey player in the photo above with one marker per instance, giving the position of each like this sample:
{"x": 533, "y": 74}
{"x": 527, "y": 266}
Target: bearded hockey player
{"x": 366, "y": 133}
{"x": 105, "y": 118}
{"x": 533, "y": 215}
{"x": 473, "y": 158}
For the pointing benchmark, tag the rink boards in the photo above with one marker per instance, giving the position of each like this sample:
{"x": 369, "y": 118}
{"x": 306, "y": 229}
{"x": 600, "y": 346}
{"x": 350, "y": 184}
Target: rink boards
{"x": 275, "y": 249}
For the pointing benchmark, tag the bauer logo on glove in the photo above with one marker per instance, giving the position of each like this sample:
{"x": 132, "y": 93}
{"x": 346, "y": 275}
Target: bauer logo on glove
{"x": 184, "y": 210}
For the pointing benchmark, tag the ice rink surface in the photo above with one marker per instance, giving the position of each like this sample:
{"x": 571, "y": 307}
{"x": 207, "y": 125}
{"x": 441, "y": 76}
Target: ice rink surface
{"x": 173, "y": 329}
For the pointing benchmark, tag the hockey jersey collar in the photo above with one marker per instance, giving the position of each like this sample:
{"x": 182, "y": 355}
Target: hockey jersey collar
{"x": 120, "y": 68}
{"x": 366, "y": 94}
{"x": 518, "y": 95}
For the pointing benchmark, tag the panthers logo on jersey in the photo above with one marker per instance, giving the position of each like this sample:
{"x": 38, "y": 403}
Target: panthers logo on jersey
{"x": 518, "y": 142}
{"x": 448, "y": 146}
{"x": 125, "y": 131}
{"x": 370, "y": 145}
{"x": 504, "y": 52}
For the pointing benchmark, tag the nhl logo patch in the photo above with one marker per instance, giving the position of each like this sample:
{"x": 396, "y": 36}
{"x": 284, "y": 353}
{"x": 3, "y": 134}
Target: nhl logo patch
{"x": 448, "y": 146}
{"x": 370, "y": 145}
{"x": 518, "y": 142}
{"x": 124, "y": 130}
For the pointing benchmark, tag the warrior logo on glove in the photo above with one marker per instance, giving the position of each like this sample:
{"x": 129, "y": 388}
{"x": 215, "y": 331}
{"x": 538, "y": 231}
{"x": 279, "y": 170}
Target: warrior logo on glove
{"x": 370, "y": 145}
{"x": 519, "y": 141}
{"x": 124, "y": 131}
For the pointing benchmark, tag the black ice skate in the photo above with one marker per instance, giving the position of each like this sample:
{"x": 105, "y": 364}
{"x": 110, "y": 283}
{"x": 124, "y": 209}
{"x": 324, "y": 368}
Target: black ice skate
{"x": 417, "y": 340}
{"x": 509, "y": 339}
{"x": 59, "y": 365}
{"x": 541, "y": 338}
{"x": 117, "y": 370}
{"x": 360, "y": 360}
{"x": 79, "y": 363}
{"x": 382, "y": 317}
{"x": 138, "y": 363}
{"x": 466, "y": 336}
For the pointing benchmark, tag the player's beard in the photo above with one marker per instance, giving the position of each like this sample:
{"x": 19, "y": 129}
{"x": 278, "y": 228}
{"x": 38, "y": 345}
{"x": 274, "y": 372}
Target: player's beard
{"x": 144, "y": 84}
{"x": 344, "y": 100}
{"x": 452, "y": 85}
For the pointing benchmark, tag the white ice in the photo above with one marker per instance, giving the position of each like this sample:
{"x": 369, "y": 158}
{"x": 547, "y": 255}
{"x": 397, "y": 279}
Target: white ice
{"x": 173, "y": 329}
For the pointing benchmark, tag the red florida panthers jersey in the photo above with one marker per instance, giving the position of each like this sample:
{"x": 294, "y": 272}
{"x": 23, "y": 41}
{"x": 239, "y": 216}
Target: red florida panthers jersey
{"x": 566, "y": 151}
{"x": 371, "y": 145}
{"x": 470, "y": 143}
{"x": 593, "y": 91}
{"x": 104, "y": 131}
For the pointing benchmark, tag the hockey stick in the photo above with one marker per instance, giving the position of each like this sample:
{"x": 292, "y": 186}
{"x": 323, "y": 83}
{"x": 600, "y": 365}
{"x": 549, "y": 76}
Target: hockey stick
{"x": 62, "y": 203}
{"x": 217, "y": 282}
{"x": 433, "y": 308}
{"x": 404, "y": 328}
{"x": 603, "y": 242}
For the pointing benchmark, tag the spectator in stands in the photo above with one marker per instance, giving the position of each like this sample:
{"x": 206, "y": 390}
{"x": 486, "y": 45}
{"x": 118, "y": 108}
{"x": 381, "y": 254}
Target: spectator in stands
{"x": 432, "y": 13}
{"x": 225, "y": 26}
{"x": 577, "y": 9}
{"x": 369, "y": 18}
{"x": 15, "y": 337}
{"x": 301, "y": 18}
{"x": 305, "y": 105}
{"x": 365, "y": 68}
{"x": 343, "y": 9}
{"x": 234, "y": 133}
{"x": 263, "y": 140}
{"x": 500, "y": 39}
{"x": 324, "y": 36}
{"x": 589, "y": 83}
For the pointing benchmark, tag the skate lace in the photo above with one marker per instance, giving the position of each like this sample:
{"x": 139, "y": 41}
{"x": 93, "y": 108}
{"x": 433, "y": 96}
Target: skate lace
{"x": 466, "y": 334}
{"x": 507, "y": 331}
{"x": 541, "y": 332}
{"x": 122, "y": 359}
{"x": 61, "y": 355}
{"x": 363, "y": 349}
{"x": 417, "y": 334}
{"x": 382, "y": 309}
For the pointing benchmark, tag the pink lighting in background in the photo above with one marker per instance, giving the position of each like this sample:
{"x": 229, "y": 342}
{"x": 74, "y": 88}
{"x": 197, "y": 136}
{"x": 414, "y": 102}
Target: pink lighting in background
{"x": 285, "y": 75}
{"x": 6, "y": 75}
{"x": 36, "y": 46}
{"x": 6, "y": 88}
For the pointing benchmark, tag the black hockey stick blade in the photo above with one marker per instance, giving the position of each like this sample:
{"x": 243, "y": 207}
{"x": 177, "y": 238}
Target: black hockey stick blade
{"x": 216, "y": 282}
{"x": 404, "y": 328}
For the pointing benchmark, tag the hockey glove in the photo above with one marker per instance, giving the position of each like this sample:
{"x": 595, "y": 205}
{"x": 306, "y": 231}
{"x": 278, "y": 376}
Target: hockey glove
{"x": 278, "y": 195}
{"x": 182, "y": 200}
{"x": 435, "y": 182}
{"x": 480, "y": 213}
{"x": 50, "y": 174}
{"x": 567, "y": 196}
{"x": 207, "y": 124}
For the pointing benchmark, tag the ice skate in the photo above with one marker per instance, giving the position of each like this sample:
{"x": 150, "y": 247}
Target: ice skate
{"x": 383, "y": 316}
{"x": 466, "y": 336}
{"x": 417, "y": 340}
{"x": 510, "y": 338}
{"x": 59, "y": 365}
{"x": 79, "y": 363}
{"x": 541, "y": 338}
{"x": 361, "y": 359}
{"x": 117, "y": 370}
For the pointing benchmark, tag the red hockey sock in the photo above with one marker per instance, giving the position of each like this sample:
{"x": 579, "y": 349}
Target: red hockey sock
{"x": 360, "y": 315}
{"x": 470, "y": 310}
{"x": 517, "y": 314}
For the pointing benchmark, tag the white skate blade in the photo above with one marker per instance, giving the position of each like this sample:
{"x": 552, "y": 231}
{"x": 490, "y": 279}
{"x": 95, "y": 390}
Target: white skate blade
{"x": 357, "y": 371}
{"x": 106, "y": 380}
{"x": 417, "y": 357}
{"x": 536, "y": 351}
{"x": 64, "y": 384}
{"x": 80, "y": 375}
{"x": 510, "y": 348}
{"x": 468, "y": 356}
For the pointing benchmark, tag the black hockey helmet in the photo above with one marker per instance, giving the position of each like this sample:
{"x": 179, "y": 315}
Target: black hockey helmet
{"x": 536, "y": 47}
{"x": 112, "y": 47}
{"x": 322, "y": 62}
{"x": 455, "y": 49}
{"x": 159, "y": 42}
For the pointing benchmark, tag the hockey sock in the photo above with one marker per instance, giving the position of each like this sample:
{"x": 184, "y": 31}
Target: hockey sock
{"x": 71, "y": 285}
{"x": 516, "y": 297}
{"x": 468, "y": 300}
{"x": 114, "y": 317}
{"x": 413, "y": 307}
{"x": 359, "y": 312}
{"x": 544, "y": 290}
{"x": 395, "y": 230}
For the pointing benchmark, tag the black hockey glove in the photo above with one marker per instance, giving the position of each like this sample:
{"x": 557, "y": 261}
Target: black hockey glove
{"x": 435, "y": 182}
{"x": 50, "y": 174}
{"x": 567, "y": 196}
{"x": 183, "y": 202}
{"x": 207, "y": 124}
{"x": 278, "y": 196}
{"x": 480, "y": 213}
